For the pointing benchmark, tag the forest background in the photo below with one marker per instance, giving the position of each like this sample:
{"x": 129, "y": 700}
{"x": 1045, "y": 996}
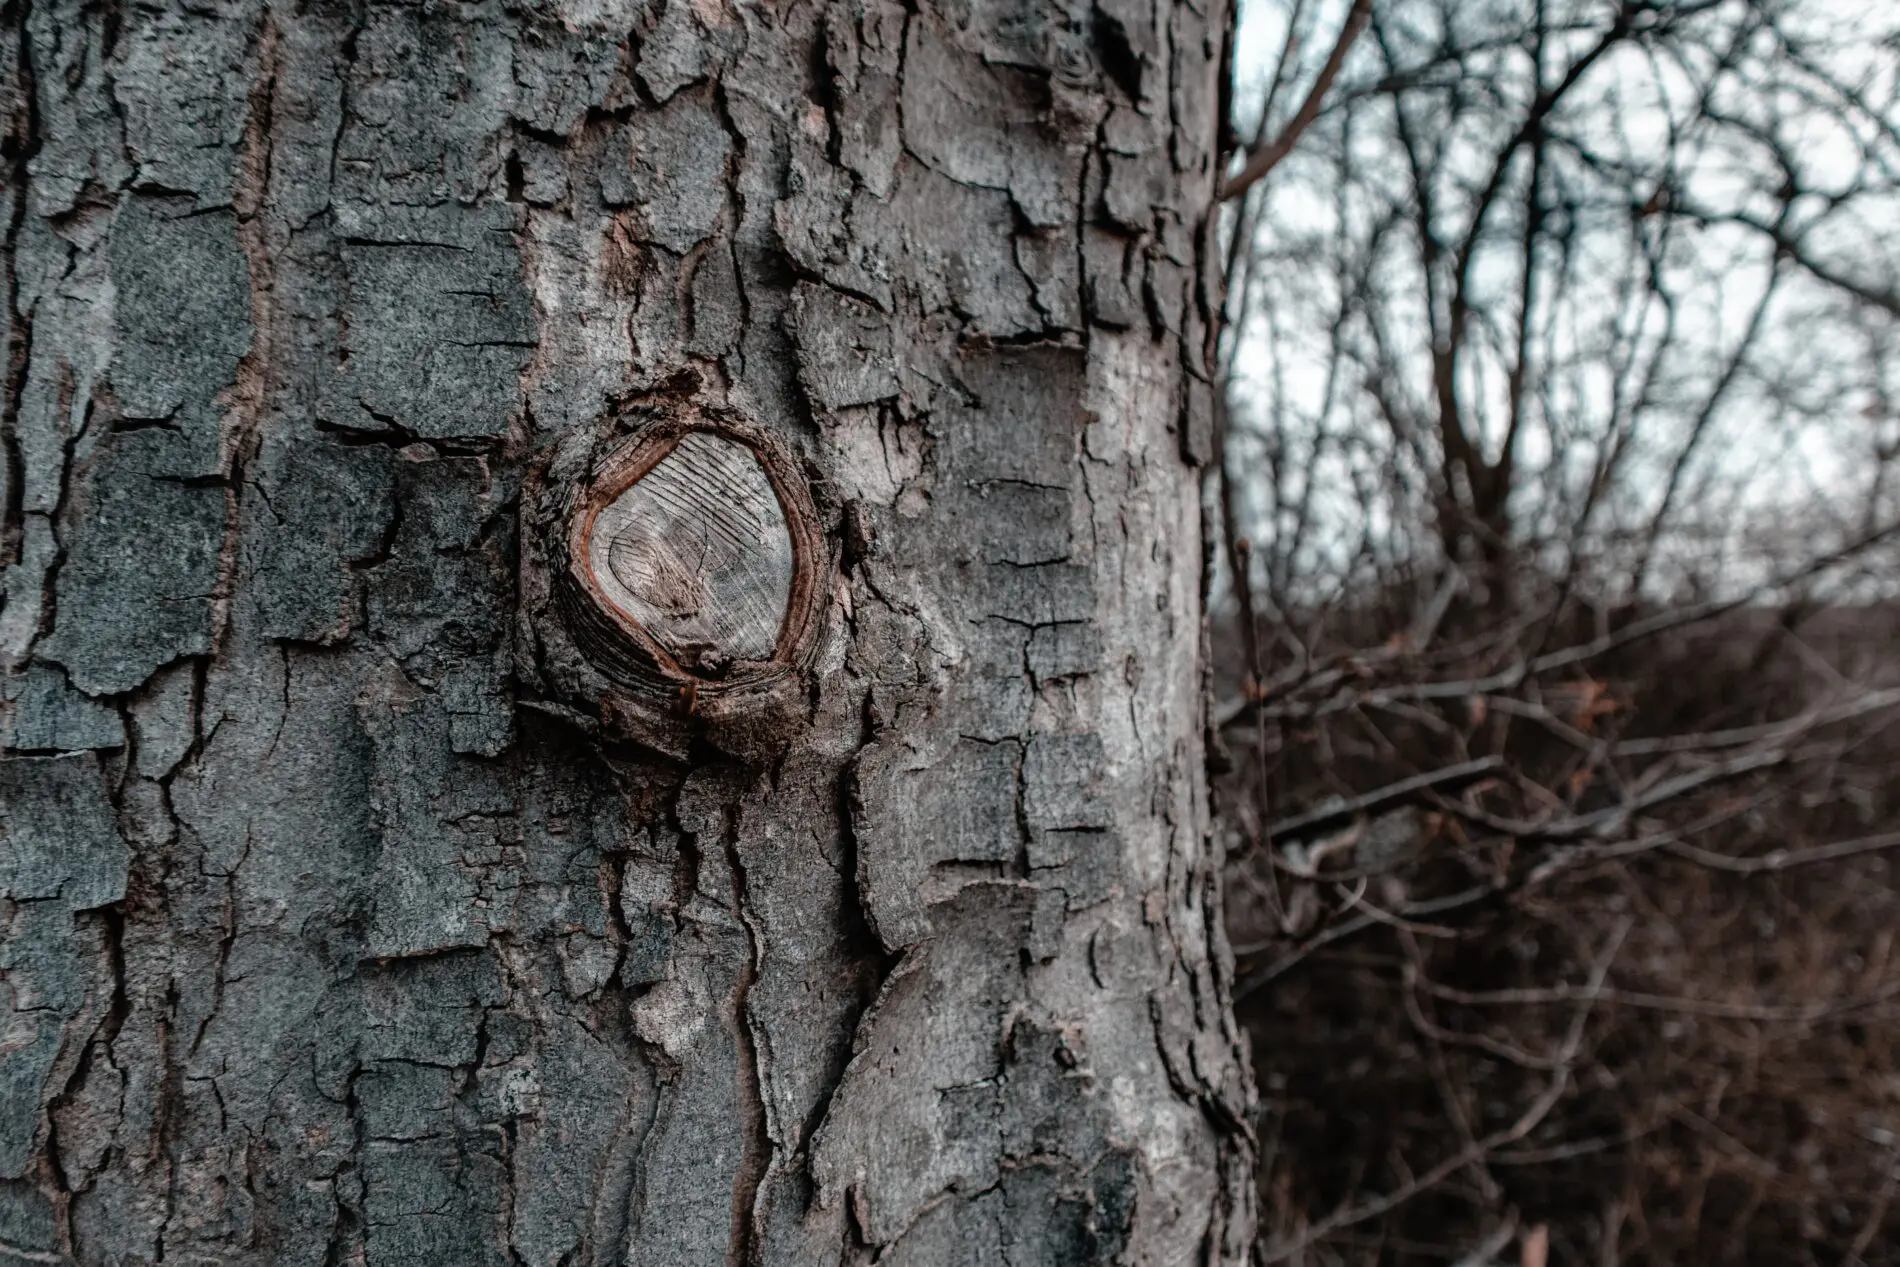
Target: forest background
{"x": 1558, "y": 680}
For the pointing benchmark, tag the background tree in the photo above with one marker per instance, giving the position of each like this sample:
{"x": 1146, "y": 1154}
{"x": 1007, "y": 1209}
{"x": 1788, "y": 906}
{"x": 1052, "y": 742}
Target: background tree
{"x": 340, "y": 924}
{"x": 1559, "y": 489}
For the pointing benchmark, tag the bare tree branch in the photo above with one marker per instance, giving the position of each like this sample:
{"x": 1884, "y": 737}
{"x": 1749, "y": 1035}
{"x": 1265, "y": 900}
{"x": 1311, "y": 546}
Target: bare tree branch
{"x": 1262, "y": 159}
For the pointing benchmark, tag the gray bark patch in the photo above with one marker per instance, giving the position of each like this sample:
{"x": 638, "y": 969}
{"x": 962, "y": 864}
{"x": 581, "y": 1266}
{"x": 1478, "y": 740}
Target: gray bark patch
{"x": 438, "y": 323}
{"x": 183, "y": 317}
{"x": 142, "y": 566}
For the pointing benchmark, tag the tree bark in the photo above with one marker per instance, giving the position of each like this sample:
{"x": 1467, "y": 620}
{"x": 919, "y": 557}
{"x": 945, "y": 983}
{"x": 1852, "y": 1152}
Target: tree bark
{"x": 340, "y": 925}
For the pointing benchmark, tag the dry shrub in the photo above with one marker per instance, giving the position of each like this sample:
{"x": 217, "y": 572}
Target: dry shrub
{"x": 1592, "y": 958}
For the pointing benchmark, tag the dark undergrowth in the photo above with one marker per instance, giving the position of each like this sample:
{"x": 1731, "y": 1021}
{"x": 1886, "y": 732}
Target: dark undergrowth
{"x": 1573, "y": 946}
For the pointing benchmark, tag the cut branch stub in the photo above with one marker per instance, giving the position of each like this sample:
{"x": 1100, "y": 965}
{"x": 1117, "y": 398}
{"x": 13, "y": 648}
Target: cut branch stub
{"x": 694, "y": 554}
{"x": 688, "y": 576}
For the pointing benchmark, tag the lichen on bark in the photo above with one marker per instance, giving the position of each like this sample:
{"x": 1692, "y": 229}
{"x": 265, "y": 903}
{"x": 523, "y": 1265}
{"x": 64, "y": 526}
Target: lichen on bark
{"x": 333, "y": 930}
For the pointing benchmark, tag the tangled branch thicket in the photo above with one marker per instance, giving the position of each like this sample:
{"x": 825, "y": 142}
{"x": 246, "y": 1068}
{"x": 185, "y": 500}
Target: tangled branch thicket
{"x": 1561, "y": 682}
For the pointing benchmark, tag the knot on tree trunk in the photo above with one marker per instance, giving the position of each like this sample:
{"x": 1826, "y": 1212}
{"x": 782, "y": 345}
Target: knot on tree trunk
{"x": 676, "y": 580}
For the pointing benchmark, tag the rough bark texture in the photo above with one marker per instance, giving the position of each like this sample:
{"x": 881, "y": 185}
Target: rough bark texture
{"x": 329, "y": 937}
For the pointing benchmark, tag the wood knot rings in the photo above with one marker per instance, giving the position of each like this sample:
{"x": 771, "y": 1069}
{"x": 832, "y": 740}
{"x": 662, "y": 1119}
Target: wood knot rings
{"x": 674, "y": 577}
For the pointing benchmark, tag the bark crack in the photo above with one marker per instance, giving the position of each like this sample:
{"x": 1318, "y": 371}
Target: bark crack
{"x": 757, "y": 1156}
{"x": 21, "y": 143}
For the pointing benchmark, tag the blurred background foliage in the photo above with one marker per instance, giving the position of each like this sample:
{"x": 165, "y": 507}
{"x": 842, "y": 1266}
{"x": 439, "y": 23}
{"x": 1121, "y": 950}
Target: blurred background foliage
{"x": 1558, "y": 665}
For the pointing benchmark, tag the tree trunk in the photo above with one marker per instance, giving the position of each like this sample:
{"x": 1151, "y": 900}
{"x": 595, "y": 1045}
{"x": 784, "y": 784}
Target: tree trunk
{"x": 392, "y": 874}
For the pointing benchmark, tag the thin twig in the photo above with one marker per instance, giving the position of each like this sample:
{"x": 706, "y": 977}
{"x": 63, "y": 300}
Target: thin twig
{"x": 1871, "y": 702}
{"x": 1782, "y": 859}
{"x": 1816, "y": 1010}
{"x": 1384, "y": 798}
{"x": 1264, "y": 158}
